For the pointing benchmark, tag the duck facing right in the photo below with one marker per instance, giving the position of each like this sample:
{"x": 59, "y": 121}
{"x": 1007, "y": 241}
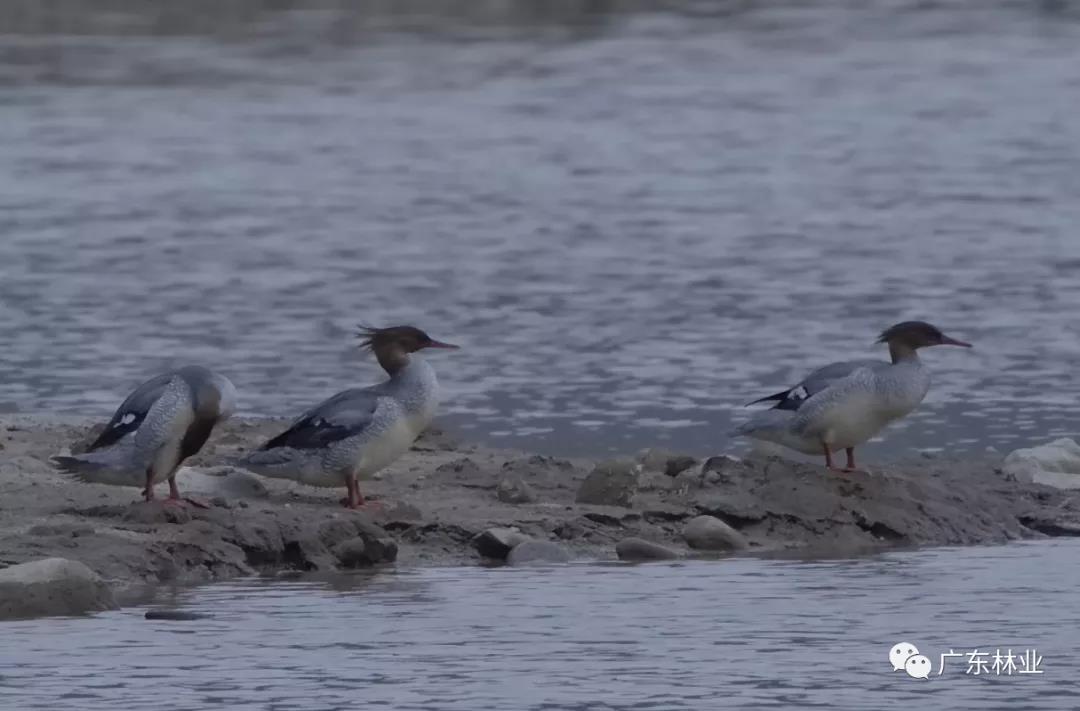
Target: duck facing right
{"x": 844, "y": 404}
{"x": 354, "y": 434}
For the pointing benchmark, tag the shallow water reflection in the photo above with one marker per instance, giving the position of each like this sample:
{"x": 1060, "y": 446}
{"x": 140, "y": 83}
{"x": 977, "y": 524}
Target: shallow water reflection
{"x": 740, "y": 633}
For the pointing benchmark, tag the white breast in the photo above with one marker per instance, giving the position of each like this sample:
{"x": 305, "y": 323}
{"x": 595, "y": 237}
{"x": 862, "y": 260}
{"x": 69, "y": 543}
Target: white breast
{"x": 857, "y": 408}
{"x": 386, "y": 448}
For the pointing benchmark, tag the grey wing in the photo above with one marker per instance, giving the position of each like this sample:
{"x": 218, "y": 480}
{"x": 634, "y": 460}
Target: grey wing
{"x": 166, "y": 422}
{"x": 131, "y": 413}
{"x": 793, "y": 398}
{"x": 344, "y": 415}
{"x": 836, "y": 393}
{"x": 825, "y": 376}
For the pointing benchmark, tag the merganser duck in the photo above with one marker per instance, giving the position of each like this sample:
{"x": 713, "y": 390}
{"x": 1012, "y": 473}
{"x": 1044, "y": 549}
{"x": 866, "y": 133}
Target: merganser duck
{"x": 844, "y": 404}
{"x": 355, "y": 433}
{"x": 163, "y": 422}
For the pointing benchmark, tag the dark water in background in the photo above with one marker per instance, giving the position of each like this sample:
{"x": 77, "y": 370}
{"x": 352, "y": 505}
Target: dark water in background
{"x": 746, "y": 634}
{"x": 634, "y": 216}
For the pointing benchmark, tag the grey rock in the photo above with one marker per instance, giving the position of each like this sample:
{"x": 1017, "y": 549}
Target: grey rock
{"x": 610, "y": 483}
{"x": 711, "y": 534}
{"x": 498, "y": 542}
{"x": 722, "y": 468}
{"x": 514, "y": 490}
{"x": 654, "y": 459}
{"x": 1054, "y": 464}
{"x": 1052, "y": 525}
{"x": 228, "y": 482}
{"x": 678, "y": 464}
{"x": 336, "y": 531}
{"x": 352, "y": 553}
{"x": 52, "y": 586}
{"x": 638, "y": 549}
{"x": 261, "y": 541}
{"x": 537, "y": 553}
{"x": 664, "y": 461}
{"x": 307, "y": 552}
{"x": 379, "y": 547}
{"x": 266, "y": 543}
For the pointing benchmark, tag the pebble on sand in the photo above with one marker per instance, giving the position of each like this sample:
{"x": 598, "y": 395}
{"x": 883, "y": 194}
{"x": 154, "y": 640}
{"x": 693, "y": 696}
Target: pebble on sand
{"x": 709, "y": 533}
{"x": 537, "y": 553}
{"x": 497, "y": 543}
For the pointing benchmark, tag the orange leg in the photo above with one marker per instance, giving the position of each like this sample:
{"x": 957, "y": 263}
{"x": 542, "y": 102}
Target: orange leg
{"x": 356, "y": 500}
{"x": 828, "y": 455}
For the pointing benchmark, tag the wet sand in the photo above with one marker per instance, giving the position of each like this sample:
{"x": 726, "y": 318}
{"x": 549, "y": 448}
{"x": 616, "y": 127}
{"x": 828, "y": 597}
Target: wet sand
{"x": 433, "y": 503}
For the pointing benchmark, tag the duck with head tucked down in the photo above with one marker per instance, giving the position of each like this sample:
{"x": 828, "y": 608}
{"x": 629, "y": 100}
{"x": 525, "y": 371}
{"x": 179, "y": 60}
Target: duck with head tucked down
{"x": 844, "y": 404}
{"x": 159, "y": 425}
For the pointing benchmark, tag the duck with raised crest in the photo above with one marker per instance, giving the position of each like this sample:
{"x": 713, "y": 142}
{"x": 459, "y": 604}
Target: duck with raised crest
{"x": 354, "y": 434}
{"x": 842, "y": 405}
{"x": 160, "y": 424}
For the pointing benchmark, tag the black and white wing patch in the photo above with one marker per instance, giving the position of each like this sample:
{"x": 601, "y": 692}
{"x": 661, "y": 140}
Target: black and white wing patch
{"x": 344, "y": 415}
{"x": 794, "y": 398}
{"x": 131, "y": 413}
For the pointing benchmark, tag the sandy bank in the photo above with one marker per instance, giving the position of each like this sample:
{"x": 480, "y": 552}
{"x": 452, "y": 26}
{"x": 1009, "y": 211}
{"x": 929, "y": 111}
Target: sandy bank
{"x": 443, "y": 494}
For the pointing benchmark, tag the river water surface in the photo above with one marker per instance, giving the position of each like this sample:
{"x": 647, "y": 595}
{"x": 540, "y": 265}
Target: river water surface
{"x": 634, "y": 219}
{"x": 734, "y": 634}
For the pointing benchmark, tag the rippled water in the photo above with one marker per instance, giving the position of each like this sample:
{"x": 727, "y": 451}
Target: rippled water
{"x": 634, "y": 220}
{"x": 733, "y": 634}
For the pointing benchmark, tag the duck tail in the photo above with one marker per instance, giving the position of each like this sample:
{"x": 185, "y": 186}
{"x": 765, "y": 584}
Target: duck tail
{"x": 767, "y": 425}
{"x": 106, "y": 466}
